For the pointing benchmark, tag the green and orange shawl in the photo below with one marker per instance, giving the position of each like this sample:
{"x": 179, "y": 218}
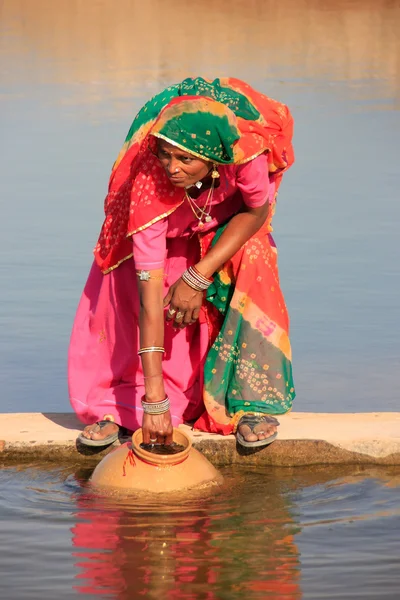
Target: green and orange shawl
{"x": 224, "y": 121}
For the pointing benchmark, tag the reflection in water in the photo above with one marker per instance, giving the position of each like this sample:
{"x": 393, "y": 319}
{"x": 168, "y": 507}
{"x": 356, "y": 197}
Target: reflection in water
{"x": 282, "y": 534}
{"x": 104, "y": 50}
{"x": 191, "y": 549}
{"x": 246, "y": 542}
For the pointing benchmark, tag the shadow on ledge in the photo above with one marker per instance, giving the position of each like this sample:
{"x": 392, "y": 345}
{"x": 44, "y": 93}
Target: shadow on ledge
{"x": 64, "y": 420}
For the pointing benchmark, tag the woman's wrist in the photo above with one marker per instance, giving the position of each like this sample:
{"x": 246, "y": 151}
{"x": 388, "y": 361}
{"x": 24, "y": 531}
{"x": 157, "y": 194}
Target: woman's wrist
{"x": 155, "y": 408}
{"x": 154, "y": 394}
{"x": 195, "y": 279}
{"x": 204, "y": 269}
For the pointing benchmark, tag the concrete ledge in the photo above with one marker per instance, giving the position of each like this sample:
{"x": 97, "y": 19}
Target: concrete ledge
{"x": 304, "y": 439}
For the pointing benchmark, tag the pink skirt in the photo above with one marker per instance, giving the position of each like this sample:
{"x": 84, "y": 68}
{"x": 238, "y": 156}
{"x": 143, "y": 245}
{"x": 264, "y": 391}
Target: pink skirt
{"x": 104, "y": 370}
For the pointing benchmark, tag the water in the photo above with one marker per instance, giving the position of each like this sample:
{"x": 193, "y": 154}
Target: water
{"x": 73, "y": 74}
{"x": 281, "y": 534}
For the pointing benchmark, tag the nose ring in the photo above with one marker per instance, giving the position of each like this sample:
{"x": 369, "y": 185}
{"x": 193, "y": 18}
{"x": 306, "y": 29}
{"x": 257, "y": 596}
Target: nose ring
{"x": 177, "y": 170}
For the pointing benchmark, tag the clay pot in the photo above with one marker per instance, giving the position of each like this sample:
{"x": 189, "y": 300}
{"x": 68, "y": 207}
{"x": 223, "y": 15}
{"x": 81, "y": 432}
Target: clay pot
{"x": 130, "y": 467}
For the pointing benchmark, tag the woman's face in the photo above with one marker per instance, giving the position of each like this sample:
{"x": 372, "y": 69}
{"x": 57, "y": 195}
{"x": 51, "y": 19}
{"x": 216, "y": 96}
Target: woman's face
{"x": 182, "y": 168}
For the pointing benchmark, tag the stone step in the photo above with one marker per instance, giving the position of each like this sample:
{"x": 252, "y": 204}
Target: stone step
{"x": 304, "y": 439}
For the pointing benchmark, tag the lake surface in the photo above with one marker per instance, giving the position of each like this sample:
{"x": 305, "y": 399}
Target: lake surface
{"x": 279, "y": 534}
{"x": 73, "y": 75}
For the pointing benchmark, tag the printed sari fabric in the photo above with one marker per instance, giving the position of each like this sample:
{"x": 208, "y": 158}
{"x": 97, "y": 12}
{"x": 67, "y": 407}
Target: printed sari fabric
{"x": 248, "y": 367}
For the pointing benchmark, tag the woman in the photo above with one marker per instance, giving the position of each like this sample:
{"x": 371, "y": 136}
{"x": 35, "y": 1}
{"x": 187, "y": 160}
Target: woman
{"x": 182, "y": 317}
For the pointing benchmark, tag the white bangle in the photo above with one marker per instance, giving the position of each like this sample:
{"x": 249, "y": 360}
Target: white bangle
{"x": 156, "y": 408}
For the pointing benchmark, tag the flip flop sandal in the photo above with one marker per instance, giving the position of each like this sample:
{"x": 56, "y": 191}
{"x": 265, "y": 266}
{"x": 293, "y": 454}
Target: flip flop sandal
{"x": 252, "y": 421}
{"x": 105, "y": 441}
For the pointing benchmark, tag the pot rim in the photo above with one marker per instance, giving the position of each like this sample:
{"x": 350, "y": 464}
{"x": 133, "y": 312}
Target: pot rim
{"x": 178, "y": 436}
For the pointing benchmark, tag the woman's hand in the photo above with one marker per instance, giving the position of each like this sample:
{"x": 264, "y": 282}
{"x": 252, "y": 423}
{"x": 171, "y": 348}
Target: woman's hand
{"x": 184, "y": 303}
{"x": 157, "y": 429}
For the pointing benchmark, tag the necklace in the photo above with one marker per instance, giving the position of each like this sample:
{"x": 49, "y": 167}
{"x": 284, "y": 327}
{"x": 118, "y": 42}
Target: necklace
{"x": 202, "y": 213}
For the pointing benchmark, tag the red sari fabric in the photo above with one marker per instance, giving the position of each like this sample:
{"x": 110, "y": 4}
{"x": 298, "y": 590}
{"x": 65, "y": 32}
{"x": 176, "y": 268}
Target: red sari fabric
{"x": 140, "y": 192}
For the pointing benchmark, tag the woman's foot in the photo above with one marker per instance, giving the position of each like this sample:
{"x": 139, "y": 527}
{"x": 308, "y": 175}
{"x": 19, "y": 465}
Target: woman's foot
{"x": 101, "y": 433}
{"x": 98, "y": 432}
{"x": 256, "y": 430}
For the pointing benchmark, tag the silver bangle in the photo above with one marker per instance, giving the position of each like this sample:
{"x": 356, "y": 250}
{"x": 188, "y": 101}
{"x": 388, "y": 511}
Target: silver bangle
{"x": 156, "y": 408}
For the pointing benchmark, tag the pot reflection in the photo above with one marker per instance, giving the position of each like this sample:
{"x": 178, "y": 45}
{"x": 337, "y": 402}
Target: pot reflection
{"x": 237, "y": 542}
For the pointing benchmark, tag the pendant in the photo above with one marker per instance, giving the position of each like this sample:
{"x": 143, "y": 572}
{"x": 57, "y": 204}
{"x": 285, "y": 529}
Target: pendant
{"x": 214, "y": 173}
{"x": 208, "y": 219}
{"x": 201, "y": 225}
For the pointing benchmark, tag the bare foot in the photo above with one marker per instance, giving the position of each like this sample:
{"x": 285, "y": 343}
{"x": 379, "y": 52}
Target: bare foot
{"x": 97, "y": 432}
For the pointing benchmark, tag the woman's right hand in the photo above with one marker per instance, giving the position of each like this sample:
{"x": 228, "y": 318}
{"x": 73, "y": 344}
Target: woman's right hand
{"x": 157, "y": 428}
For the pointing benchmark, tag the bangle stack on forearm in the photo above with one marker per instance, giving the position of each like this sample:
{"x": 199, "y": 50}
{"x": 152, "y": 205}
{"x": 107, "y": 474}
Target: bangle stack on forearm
{"x": 154, "y": 408}
{"x": 193, "y": 278}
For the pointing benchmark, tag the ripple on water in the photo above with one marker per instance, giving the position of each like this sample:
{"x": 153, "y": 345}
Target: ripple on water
{"x": 284, "y": 534}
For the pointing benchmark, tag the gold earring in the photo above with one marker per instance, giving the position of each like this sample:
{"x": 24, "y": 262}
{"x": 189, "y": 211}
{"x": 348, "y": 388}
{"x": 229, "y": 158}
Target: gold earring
{"x": 214, "y": 172}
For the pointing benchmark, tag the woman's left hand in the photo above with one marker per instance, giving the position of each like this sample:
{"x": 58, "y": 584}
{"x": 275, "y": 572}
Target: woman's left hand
{"x": 184, "y": 304}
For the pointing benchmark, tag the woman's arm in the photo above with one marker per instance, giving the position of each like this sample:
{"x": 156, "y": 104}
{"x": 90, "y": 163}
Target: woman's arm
{"x": 254, "y": 184}
{"x": 149, "y": 249}
{"x": 181, "y": 298}
{"x": 151, "y": 325}
{"x": 238, "y": 231}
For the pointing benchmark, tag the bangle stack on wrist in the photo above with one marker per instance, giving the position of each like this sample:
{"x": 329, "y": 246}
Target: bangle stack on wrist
{"x": 155, "y": 408}
{"x": 196, "y": 280}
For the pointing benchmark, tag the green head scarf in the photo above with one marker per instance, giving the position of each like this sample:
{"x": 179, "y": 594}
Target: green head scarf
{"x": 201, "y": 126}
{"x": 197, "y": 116}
